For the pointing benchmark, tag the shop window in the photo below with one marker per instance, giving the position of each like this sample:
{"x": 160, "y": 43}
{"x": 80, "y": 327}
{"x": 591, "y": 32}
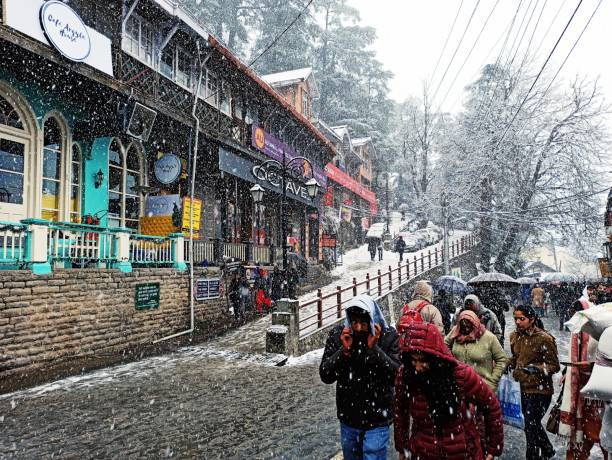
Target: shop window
{"x": 124, "y": 174}
{"x": 51, "y": 170}
{"x": 11, "y": 171}
{"x": 138, "y": 39}
{"x": 8, "y": 115}
{"x": 75, "y": 184}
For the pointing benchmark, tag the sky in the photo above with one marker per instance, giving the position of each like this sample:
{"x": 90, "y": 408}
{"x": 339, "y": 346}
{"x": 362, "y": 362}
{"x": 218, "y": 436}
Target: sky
{"x": 412, "y": 34}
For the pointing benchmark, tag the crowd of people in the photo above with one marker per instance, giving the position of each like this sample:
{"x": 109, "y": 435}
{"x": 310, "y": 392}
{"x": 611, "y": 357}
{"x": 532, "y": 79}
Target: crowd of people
{"x": 437, "y": 383}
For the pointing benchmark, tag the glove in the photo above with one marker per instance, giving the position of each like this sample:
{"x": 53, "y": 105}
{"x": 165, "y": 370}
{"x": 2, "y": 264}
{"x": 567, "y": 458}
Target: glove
{"x": 347, "y": 340}
{"x": 372, "y": 339}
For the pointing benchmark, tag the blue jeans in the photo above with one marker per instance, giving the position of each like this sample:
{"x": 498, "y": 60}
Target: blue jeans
{"x": 364, "y": 444}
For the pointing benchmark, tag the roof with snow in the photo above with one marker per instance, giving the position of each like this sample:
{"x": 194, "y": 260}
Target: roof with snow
{"x": 290, "y": 77}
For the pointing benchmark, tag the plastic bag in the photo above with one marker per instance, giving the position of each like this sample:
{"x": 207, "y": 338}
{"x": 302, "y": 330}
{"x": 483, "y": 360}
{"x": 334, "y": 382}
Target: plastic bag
{"x": 592, "y": 321}
{"x": 598, "y": 386}
{"x": 509, "y": 394}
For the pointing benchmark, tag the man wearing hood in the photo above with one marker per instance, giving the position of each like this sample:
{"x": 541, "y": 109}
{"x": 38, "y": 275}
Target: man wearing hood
{"x": 486, "y": 316}
{"x": 422, "y": 301}
{"x": 362, "y": 357}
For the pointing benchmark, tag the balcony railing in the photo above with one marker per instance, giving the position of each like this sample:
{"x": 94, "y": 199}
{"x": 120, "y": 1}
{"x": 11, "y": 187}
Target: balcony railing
{"x": 150, "y": 250}
{"x": 203, "y": 252}
{"x": 80, "y": 244}
{"x": 235, "y": 251}
{"x": 13, "y": 239}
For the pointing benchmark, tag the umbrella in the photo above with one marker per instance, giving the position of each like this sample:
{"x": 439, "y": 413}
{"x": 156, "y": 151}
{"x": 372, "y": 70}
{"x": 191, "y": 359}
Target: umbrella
{"x": 528, "y": 281}
{"x": 449, "y": 282}
{"x": 559, "y": 277}
{"x": 493, "y": 278}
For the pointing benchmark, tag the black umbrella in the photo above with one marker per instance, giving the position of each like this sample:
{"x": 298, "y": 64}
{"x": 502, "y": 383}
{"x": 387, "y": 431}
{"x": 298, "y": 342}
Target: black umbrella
{"x": 451, "y": 284}
{"x": 493, "y": 279}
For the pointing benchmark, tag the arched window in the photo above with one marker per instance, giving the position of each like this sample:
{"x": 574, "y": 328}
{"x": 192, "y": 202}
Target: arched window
{"x": 124, "y": 174}
{"x": 8, "y": 115}
{"x": 12, "y": 157}
{"x": 75, "y": 184}
{"x": 51, "y": 170}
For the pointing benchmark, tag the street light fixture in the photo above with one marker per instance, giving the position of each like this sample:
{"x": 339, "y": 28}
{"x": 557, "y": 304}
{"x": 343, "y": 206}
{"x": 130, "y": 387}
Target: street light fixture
{"x": 313, "y": 187}
{"x": 257, "y": 192}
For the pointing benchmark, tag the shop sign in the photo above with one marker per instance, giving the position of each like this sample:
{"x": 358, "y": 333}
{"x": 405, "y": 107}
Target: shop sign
{"x": 55, "y": 24}
{"x": 349, "y": 183}
{"x": 163, "y": 205}
{"x": 271, "y": 175}
{"x": 147, "y": 296}
{"x": 207, "y": 288}
{"x": 65, "y": 30}
{"x": 197, "y": 214}
{"x": 276, "y": 149}
{"x": 168, "y": 168}
{"x": 328, "y": 198}
{"x": 328, "y": 241}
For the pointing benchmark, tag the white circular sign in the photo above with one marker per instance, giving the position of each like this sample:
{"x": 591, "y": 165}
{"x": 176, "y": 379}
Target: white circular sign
{"x": 65, "y": 30}
{"x": 168, "y": 168}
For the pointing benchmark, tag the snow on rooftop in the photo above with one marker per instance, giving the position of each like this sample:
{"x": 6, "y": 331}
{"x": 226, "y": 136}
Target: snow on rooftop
{"x": 361, "y": 140}
{"x": 288, "y": 75}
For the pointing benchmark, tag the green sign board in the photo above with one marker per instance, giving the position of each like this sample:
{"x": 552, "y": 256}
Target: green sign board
{"x": 147, "y": 296}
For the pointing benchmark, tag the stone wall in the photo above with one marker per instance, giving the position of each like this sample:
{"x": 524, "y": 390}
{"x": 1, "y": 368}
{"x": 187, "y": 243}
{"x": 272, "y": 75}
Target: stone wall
{"x": 60, "y": 324}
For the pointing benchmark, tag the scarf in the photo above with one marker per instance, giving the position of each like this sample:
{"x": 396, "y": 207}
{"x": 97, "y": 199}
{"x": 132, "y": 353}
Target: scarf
{"x": 573, "y": 403}
{"x": 477, "y": 331}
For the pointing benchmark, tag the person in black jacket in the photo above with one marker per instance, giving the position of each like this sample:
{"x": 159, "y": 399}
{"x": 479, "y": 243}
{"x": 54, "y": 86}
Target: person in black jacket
{"x": 362, "y": 357}
{"x": 400, "y": 247}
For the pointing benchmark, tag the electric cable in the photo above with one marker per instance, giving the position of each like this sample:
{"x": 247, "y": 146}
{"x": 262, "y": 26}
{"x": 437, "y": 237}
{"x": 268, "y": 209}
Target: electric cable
{"x": 446, "y": 42}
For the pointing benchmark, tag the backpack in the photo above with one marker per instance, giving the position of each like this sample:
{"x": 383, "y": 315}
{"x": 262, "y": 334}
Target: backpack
{"x": 410, "y": 316}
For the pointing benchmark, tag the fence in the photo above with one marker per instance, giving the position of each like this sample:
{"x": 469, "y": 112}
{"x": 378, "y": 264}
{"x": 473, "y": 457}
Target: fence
{"x": 150, "y": 250}
{"x": 79, "y": 243}
{"x": 13, "y": 239}
{"x": 326, "y": 308}
{"x": 203, "y": 252}
{"x": 261, "y": 254}
{"x": 235, "y": 250}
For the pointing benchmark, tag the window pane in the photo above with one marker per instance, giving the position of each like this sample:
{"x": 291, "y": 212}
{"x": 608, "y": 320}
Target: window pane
{"x": 114, "y": 155}
{"x": 166, "y": 64}
{"x": 51, "y": 164}
{"x": 131, "y": 181}
{"x": 11, "y": 188}
{"x": 49, "y": 215}
{"x": 11, "y": 155}
{"x": 74, "y": 198}
{"x": 113, "y": 222}
{"x": 132, "y": 160}
{"x": 50, "y": 194}
{"x": 131, "y": 224}
{"x": 53, "y": 134}
{"x": 75, "y": 172}
{"x": 114, "y": 179}
{"x": 8, "y": 115}
{"x": 114, "y": 204}
{"x": 76, "y": 153}
{"x": 132, "y": 208}
{"x": 183, "y": 67}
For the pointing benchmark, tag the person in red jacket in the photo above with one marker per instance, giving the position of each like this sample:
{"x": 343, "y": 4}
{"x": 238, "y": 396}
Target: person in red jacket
{"x": 435, "y": 397}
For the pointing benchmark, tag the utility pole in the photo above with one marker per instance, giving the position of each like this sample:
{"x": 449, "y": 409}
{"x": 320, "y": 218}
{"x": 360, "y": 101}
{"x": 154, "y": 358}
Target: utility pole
{"x": 445, "y": 251}
{"x": 387, "y": 200}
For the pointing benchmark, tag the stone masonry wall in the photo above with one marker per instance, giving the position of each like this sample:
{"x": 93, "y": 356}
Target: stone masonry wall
{"x": 71, "y": 320}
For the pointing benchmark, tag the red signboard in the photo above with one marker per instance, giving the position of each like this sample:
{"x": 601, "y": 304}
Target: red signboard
{"x": 328, "y": 198}
{"x": 351, "y": 184}
{"x": 328, "y": 241}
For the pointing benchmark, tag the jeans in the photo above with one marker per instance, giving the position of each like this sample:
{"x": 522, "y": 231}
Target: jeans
{"x": 534, "y": 407}
{"x": 364, "y": 444}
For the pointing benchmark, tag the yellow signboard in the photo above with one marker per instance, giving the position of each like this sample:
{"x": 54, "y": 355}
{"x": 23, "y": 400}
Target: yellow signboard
{"x": 197, "y": 214}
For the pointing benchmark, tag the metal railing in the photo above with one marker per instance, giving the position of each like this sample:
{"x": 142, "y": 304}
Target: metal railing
{"x": 203, "y": 252}
{"x": 235, "y": 250}
{"x": 13, "y": 240}
{"x": 326, "y": 309}
{"x": 80, "y": 243}
{"x": 150, "y": 250}
{"x": 261, "y": 254}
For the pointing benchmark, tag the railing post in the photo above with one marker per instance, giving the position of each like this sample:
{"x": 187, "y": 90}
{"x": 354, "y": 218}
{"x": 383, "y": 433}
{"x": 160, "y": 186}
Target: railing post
{"x": 390, "y": 278}
{"x": 407, "y": 269}
{"x": 436, "y": 254}
{"x": 379, "y": 283}
{"x": 248, "y": 249}
{"x": 178, "y": 251}
{"x": 368, "y": 282}
{"x": 416, "y": 270}
{"x": 354, "y": 287}
{"x": 339, "y": 300}
{"x": 462, "y": 244}
{"x": 422, "y": 263}
{"x": 122, "y": 249}
{"x": 429, "y": 257}
{"x": 319, "y": 308}
{"x": 37, "y": 246}
{"x": 399, "y": 273}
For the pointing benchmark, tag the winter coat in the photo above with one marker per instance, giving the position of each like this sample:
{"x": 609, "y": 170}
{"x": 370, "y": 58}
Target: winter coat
{"x": 364, "y": 379}
{"x": 372, "y": 245}
{"x": 535, "y": 347}
{"x": 429, "y": 313}
{"x": 537, "y": 297}
{"x": 486, "y": 316}
{"x": 414, "y": 428}
{"x": 486, "y": 356}
{"x": 400, "y": 245}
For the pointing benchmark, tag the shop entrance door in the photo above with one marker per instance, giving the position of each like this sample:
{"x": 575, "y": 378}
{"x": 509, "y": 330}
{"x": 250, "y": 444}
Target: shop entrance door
{"x": 13, "y": 177}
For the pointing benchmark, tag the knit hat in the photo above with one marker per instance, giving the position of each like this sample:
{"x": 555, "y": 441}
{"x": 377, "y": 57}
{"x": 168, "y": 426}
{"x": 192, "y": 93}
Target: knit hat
{"x": 422, "y": 291}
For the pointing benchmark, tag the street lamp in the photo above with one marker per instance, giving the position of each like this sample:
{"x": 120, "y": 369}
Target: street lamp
{"x": 313, "y": 187}
{"x": 257, "y": 192}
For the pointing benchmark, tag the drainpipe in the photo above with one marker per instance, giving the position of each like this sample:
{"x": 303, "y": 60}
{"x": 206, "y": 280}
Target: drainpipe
{"x": 191, "y": 197}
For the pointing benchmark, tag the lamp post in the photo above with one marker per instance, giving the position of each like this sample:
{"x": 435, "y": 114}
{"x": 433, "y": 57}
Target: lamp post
{"x": 257, "y": 193}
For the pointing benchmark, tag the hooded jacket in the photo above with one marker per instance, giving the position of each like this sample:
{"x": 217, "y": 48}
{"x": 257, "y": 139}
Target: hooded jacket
{"x": 364, "y": 379}
{"x": 414, "y": 428}
{"x": 430, "y": 314}
{"x": 486, "y": 316}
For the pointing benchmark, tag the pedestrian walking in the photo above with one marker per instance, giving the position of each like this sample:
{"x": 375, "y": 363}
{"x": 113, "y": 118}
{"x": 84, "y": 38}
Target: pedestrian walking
{"x": 486, "y": 316}
{"x": 362, "y": 357}
{"x": 534, "y": 361}
{"x": 380, "y": 249}
{"x": 421, "y": 308}
{"x": 245, "y": 300}
{"x": 400, "y": 247}
{"x": 470, "y": 342}
{"x": 276, "y": 284}
{"x": 372, "y": 248}
{"x": 537, "y": 300}
{"x": 444, "y": 303}
{"x": 435, "y": 399}
{"x": 496, "y": 302}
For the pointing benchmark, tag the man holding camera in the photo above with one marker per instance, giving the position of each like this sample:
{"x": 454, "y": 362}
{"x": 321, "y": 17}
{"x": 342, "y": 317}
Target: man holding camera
{"x": 362, "y": 357}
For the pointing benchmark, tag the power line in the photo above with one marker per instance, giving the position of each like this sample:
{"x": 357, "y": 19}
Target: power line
{"x": 278, "y": 37}
{"x": 446, "y": 43}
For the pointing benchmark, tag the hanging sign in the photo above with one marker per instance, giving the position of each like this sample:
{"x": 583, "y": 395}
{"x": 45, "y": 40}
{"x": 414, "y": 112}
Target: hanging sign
{"x": 65, "y": 30}
{"x": 168, "y": 168}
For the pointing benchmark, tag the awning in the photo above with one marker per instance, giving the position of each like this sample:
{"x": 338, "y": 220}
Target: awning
{"x": 335, "y": 174}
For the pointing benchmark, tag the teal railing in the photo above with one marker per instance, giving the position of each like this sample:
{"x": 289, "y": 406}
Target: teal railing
{"x": 13, "y": 243}
{"x": 81, "y": 244}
